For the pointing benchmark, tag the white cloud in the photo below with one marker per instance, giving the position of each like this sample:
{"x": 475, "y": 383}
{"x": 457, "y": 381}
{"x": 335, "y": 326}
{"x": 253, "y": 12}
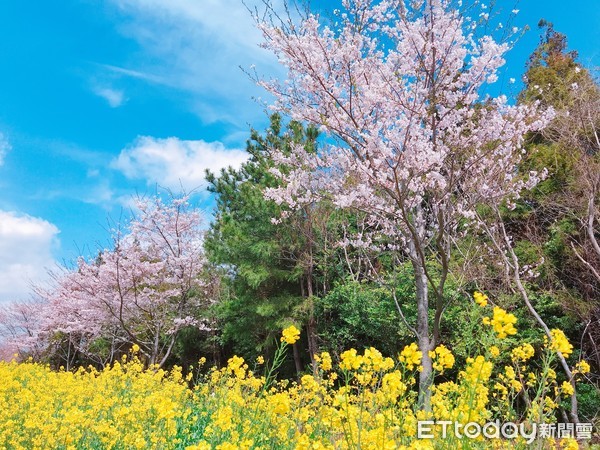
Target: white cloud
{"x": 114, "y": 97}
{"x": 5, "y": 147}
{"x": 174, "y": 163}
{"x": 199, "y": 47}
{"x": 99, "y": 193}
{"x": 133, "y": 74}
{"x": 26, "y": 245}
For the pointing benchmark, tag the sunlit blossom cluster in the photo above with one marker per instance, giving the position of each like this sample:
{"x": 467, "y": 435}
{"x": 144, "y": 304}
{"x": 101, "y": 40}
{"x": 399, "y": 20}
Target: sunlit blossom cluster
{"x": 405, "y": 115}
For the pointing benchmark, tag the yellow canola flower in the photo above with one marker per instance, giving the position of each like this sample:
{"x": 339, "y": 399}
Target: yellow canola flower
{"x": 566, "y": 388}
{"x": 582, "y": 367}
{"x": 392, "y": 385}
{"x": 371, "y": 405}
{"x": 280, "y": 403}
{"x": 202, "y": 445}
{"x": 523, "y": 352}
{"x": 290, "y": 335}
{"x": 442, "y": 358}
{"x": 411, "y": 356}
{"x": 324, "y": 360}
{"x": 480, "y": 298}
{"x": 509, "y": 371}
{"x": 569, "y": 444}
{"x": 478, "y": 369}
{"x": 350, "y": 360}
{"x": 502, "y": 322}
{"x": 560, "y": 343}
{"x": 376, "y": 361}
{"x": 123, "y": 405}
{"x": 237, "y": 366}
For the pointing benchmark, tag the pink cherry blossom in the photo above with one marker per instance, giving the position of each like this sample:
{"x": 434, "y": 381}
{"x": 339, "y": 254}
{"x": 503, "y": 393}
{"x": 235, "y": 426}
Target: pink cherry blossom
{"x": 143, "y": 290}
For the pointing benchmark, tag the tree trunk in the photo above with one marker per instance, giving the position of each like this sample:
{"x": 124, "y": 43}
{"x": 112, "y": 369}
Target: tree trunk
{"x": 154, "y": 355}
{"x": 297, "y": 360}
{"x": 311, "y": 325}
{"x": 424, "y": 341}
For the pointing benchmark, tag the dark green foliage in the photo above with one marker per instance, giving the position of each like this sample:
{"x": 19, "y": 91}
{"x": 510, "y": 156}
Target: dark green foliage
{"x": 360, "y": 314}
{"x": 277, "y": 274}
{"x": 588, "y": 397}
{"x": 549, "y": 66}
{"x": 192, "y": 344}
{"x": 264, "y": 276}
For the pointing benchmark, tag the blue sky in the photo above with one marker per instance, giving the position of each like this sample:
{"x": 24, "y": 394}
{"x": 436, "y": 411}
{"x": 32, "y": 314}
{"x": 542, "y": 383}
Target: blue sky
{"x": 101, "y": 100}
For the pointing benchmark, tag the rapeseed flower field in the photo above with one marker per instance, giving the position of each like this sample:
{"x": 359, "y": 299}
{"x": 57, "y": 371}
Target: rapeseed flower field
{"x": 363, "y": 400}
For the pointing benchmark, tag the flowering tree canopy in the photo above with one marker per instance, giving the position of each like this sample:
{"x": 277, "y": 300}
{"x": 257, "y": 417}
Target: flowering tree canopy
{"x": 398, "y": 86}
{"x": 142, "y": 291}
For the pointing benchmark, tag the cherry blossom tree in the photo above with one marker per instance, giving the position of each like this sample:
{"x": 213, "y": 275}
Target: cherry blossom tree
{"x": 143, "y": 291}
{"x": 18, "y": 326}
{"x": 397, "y": 86}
